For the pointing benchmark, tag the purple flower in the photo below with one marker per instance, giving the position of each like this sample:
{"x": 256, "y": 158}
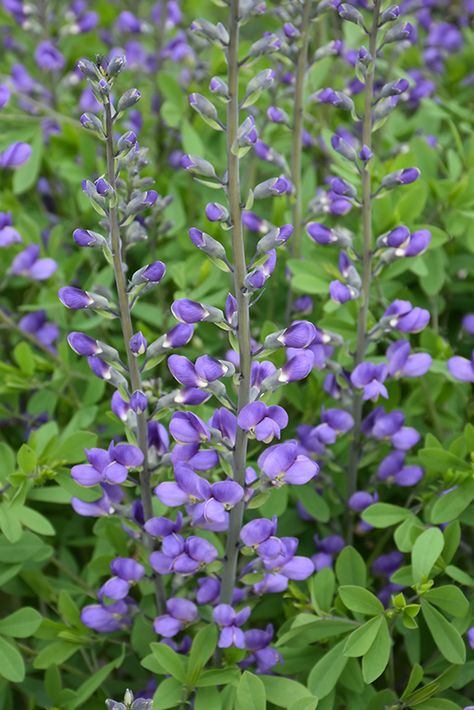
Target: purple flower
{"x": 28, "y": 263}
{"x": 181, "y": 613}
{"x": 48, "y": 57}
{"x": 262, "y": 422}
{"x": 282, "y": 463}
{"x": 401, "y": 177}
{"x": 386, "y": 565}
{"x": 229, "y": 622}
{"x": 334, "y": 98}
{"x": 467, "y": 322}
{"x": 74, "y": 298}
{"x": 83, "y": 344}
{"x": 341, "y": 293}
{"x": 390, "y": 426}
{"x": 8, "y": 235}
{"x": 205, "y": 371}
{"x": 470, "y": 637}
{"x": 180, "y": 556}
{"x": 15, "y": 155}
{"x": 461, "y": 368}
{"x": 4, "y": 95}
{"x": 138, "y": 343}
{"x": 258, "y": 531}
{"x": 193, "y": 312}
{"x": 188, "y": 428}
{"x": 393, "y": 469}
{"x": 299, "y": 365}
{"x": 361, "y": 500}
{"x": 370, "y": 378}
{"x": 107, "y": 466}
{"x": 402, "y": 316}
{"x": 402, "y": 364}
{"x": 106, "y": 619}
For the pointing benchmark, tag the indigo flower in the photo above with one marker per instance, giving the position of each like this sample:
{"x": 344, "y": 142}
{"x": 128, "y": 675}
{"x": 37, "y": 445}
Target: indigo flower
{"x": 360, "y": 500}
{"x": 106, "y": 619}
{"x": 402, "y": 316}
{"x": 282, "y": 463}
{"x": 28, "y": 263}
{"x": 262, "y": 422}
{"x": 370, "y": 379}
{"x": 182, "y": 556}
{"x": 230, "y": 622}
{"x": 188, "y": 428}
{"x": 36, "y": 324}
{"x": 401, "y": 364}
{"x": 393, "y": 469}
{"x": 8, "y": 235}
{"x": 461, "y": 368}
{"x": 48, "y": 57}
{"x": 181, "y": 613}
{"x": 205, "y": 371}
{"x": 15, "y": 155}
{"x": 257, "y": 641}
{"x": 107, "y": 466}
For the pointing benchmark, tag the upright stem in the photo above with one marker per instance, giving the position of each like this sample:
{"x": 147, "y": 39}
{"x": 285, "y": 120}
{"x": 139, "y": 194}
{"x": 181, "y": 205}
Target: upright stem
{"x": 361, "y": 345}
{"x": 127, "y": 332}
{"x": 297, "y": 139}
{"x": 243, "y": 327}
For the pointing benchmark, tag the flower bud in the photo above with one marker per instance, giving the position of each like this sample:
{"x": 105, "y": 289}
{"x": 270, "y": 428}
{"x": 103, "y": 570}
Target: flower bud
{"x": 116, "y": 65}
{"x": 334, "y": 98}
{"x": 277, "y": 115}
{"x": 275, "y": 238}
{"x": 198, "y": 166}
{"x": 394, "y": 88}
{"x": 138, "y": 344}
{"x": 350, "y": 14}
{"x": 216, "y": 212}
{"x": 398, "y": 33}
{"x": 273, "y": 187}
{"x": 343, "y": 147}
{"x": 342, "y": 187}
{"x": 87, "y": 238}
{"x": 92, "y": 123}
{"x": 207, "y": 244}
{"x": 89, "y": 69}
{"x": 391, "y": 14}
{"x": 193, "y": 312}
{"x": 75, "y": 298}
{"x": 214, "y": 33}
{"x": 266, "y": 45}
{"x": 259, "y": 83}
{"x": 219, "y": 87}
{"x": 138, "y": 402}
{"x": 406, "y": 176}
{"x": 128, "y": 99}
{"x": 206, "y": 110}
{"x": 152, "y": 273}
{"x": 126, "y": 141}
{"x": 83, "y": 344}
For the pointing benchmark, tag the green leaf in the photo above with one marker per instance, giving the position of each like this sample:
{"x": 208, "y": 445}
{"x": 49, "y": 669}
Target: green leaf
{"x": 21, "y": 623}
{"x": 169, "y": 661}
{"x": 448, "y": 598}
{"x": 446, "y": 637}
{"x": 284, "y": 691}
{"x": 250, "y": 693}
{"x": 314, "y": 503}
{"x": 218, "y": 676}
{"x": 416, "y": 676}
{"x": 35, "y": 521}
{"x": 203, "y": 647}
{"x": 71, "y": 448}
{"x": 384, "y": 515}
{"x": 325, "y": 674}
{"x": 29, "y": 546}
{"x": 360, "y": 600}
{"x": 451, "y": 505}
{"x": 168, "y": 695}
{"x": 56, "y": 652}
{"x": 304, "y": 631}
{"x": 26, "y": 458}
{"x": 459, "y": 576}
{"x": 377, "y": 657}
{"x": 304, "y": 704}
{"x": 23, "y": 355}
{"x": 362, "y": 638}
{"x": 437, "y": 704}
{"x": 88, "y": 688}
{"x": 208, "y": 699}
{"x": 350, "y": 567}
{"x": 11, "y": 663}
{"x": 426, "y": 550}
{"x": 322, "y": 589}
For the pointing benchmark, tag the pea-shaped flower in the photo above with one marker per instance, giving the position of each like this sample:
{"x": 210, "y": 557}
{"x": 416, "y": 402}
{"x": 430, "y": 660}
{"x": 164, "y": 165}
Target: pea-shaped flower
{"x": 262, "y": 422}
{"x": 283, "y": 464}
{"x": 181, "y": 613}
{"x": 230, "y": 622}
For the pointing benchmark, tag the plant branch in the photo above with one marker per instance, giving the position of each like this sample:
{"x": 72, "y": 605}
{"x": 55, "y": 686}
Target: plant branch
{"x": 361, "y": 345}
{"x": 243, "y": 308}
{"x": 127, "y": 332}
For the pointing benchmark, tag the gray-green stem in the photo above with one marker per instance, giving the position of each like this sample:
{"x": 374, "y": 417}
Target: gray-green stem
{"x": 297, "y": 139}
{"x": 366, "y": 257}
{"x": 127, "y": 332}
{"x": 243, "y": 328}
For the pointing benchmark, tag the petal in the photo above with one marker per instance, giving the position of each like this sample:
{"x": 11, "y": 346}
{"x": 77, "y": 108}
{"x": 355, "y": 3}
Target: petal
{"x": 127, "y": 454}
{"x": 227, "y": 491}
{"x": 183, "y": 370}
{"x": 405, "y": 438}
{"x": 86, "y": 475}
{"x": 224, "y": 615}
{"x": 167, "y": 626}
{"x": 278, "y": 458}
{"x": 42, "y": 269}
{"x": 256, "y": 531}
{"x": 171, "y": 494}
{"x": 226, "y": 637}
{"x": 209, "y": 369}
{"x": 195, "y": 486}
{"x": 302, "y": 471}
{"x": 251, "y": 415}
{"x": 99, "y": 458}
{"x": 184, "y": 564}
{"x": 266, "y": 430}
{"x": 279, "y": 415}
{"x": 461, "y": 368}
{"x": 161, "y": 563}
{"x": 200, "y": 549}
{"x": 417, "y": 365}
{"x": 114, "y": 473}
{"x": 298, "y": 568}
{"x": 182, "y": 609}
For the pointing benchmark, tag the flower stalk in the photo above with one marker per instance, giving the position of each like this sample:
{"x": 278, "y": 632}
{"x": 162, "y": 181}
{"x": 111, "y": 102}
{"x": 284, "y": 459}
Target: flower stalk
{"x": 366, "y": 255}
{"x": 127, "y": 332}
{"x": 242, "y": 297}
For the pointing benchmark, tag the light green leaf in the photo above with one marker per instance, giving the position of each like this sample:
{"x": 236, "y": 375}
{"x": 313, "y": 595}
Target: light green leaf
{"x": 448, "y": 598}
{"x": 11, "y": 663}
{"x": 35, "y": 521}
{"x": 362, "y": 638}
{"x": 325, "y": 674}
{"x": 203, "y": 647}
{"x": 451, "y": 505}
{"x": 384, "y": 515}
{"x": 250, "y": 693}
{"x": 168, "y": 695}
{"x": 284, "y": 691}
{"x": 377, "y": 657}
{"x": 21, "y": 623}
{"x": 360, "y": 600}
{"x": 56, "y": 652}
{"x": 350, "y": 567}
{"x": 445, "y": 636}
{"x": 426, "y": 550}
{"x": 88, "y": 688}
{"x": 170, "y": 662}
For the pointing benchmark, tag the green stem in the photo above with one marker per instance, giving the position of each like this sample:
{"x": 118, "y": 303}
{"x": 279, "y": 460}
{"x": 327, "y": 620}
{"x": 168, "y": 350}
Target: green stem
{"x": 366, "y": 257}
{"x": 243, "y": 328}
{"x": 127, "y": 332}
{"x": 297, "y": 140}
